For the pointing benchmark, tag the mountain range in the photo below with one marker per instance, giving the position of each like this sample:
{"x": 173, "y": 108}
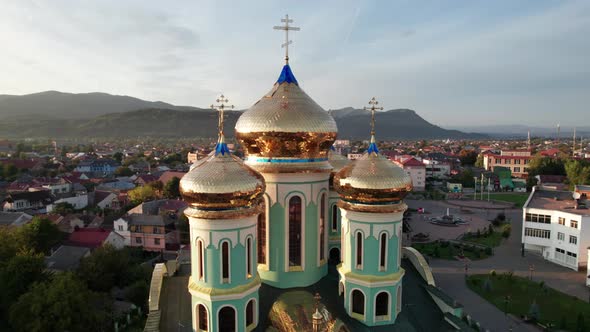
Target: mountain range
{"x": 54, "y": 114}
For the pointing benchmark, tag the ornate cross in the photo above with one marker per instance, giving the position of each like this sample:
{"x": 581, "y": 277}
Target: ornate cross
{"x": 373, "y": 107}
{"x": 220, "y": 107}
{"x": 286, "y": 28}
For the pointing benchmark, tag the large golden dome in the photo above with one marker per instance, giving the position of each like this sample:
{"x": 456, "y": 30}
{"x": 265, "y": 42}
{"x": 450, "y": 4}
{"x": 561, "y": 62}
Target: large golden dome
{"x": 220, "y": 182}
{"x": 372, "y": 180}
{"x": 286, "y": 128}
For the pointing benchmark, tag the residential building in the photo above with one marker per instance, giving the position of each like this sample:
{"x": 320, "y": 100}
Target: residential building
{"x": 106, "y": 200}
{"x": 152, "y": 232}
{"x": 437, "y": 169}
{"x": 14, "y": 219}
{"x": 66, "y": 258}
{"x": 416, "y": 170}
{"x": 95, "y": 237}
{"x": 121, "y": 227}
{"x": 515, "y": 160}
{"x": 556, "y": 224}
{"x": 77, "y": 201}
{"x": 28, "y": 200}
{"x": 98, "y": 166}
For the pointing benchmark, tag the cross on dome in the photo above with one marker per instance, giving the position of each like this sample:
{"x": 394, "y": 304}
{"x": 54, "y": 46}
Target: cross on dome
{"x": 373, "y": 107}
{"x": 286, "y": 28}
{"x": 222, "y": 101}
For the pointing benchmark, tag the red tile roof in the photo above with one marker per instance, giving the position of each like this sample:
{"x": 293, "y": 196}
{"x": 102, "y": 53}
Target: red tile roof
{"x": 88, "y": 237}
{"x": 412, "y": 162}
{"x": 168, "y": 175}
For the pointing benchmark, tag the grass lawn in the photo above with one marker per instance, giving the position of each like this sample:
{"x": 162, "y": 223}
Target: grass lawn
{"x": 492, "y": 240}
{"x": 448, "y": 251}
{"x": 557, "y": 308}
{"x": 517, "y": 198}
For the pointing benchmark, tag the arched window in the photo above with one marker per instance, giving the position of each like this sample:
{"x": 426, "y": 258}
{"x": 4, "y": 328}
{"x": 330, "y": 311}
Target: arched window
{"x": 202, "y": 319}
{"x": 381, "y": 305}
{"x": 322, "y": 229}
{"x": 382, "y": 251}
{"x": 359, "y": 250}
{"x": 262, "y": 238}
{"x": 249, "y": 257}
{"x": 225, "y": 262}
{"x": 250, "y": 313}
{"x": 200, "y": 259}
{"x": 295, "y": 231}
{"x": 227, "y": 319}
{"x": 334, "y": 218}
{"x": 358, "y": 302}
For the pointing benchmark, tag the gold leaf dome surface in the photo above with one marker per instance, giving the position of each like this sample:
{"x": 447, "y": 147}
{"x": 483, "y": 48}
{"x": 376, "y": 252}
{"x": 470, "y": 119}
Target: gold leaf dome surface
{"x": 372, "y": 179}
{"x": 286, "y": 124}
{"x": 222, "y": 181}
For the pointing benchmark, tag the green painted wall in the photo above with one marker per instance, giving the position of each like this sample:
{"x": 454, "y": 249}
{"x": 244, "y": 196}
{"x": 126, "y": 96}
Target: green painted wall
{"x": 214, "y": 307}
{"x": 371, "y": 253}
{"x": 276, "y": 275}
{"x": 370, "y": 295}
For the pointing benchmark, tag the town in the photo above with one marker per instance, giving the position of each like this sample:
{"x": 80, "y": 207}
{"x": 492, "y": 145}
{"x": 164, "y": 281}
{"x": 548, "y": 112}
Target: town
{"x": 113, "y": 206}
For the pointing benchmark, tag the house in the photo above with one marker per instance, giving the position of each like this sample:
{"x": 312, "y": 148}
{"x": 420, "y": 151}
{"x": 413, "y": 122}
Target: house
{"x": 149, "y": 232}
{"x": 416, "y": 170}
{"x": 115, "y": 185}
{"x": 106, "y": 200}
{"x": 66, "y": 258}
{"x": 515, "y": 160}
{"x": 121, "y": 227}
{"x": 15, "y": 219}
{"x": 102, "y": 167}
{"x": 169, "y": 175}
{"x": 95, "y": 237}
{"x": 27, "y": 200}
{"x": 553, "y": 152}
{"x": 556, "y": 224}
{"x": 144, "y": 179}
{"x": 77, "y": 201}
{"x": 556, "y": 182}
{"x": 437, "y": 169}
{"x": 68, "y": 223}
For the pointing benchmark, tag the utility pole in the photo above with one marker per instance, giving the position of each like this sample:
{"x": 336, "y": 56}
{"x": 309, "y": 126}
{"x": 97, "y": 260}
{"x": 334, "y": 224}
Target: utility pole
{"x": 574, "y": 144}
{"x": 481, "y": 186}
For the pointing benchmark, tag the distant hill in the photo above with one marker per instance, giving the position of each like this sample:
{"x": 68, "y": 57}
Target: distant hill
{"x": 54, "y": 114}
{"x": 392, "y": 124}
{"x": 55, "y": 104}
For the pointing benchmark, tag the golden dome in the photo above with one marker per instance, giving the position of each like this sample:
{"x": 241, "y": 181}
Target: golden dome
{"x": 372, "y": 179}
{"x": 222, "y": 181}
{"x": 337, "y": 161}
{"x": 286, "y": 127}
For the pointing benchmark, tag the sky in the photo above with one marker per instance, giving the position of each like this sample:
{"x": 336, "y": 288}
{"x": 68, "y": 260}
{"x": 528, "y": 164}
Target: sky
{"x": 455, "y": 62}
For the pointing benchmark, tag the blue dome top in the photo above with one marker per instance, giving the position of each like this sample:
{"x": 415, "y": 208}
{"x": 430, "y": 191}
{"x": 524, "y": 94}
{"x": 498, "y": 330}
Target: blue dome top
{"x": 287, "y": 76}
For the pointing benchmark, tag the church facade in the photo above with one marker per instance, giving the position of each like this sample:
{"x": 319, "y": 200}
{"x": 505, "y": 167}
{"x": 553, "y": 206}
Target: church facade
{"x": 278, "y": 217}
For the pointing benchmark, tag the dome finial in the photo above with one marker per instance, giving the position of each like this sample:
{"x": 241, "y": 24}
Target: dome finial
{"x": 286, "y": 28}
{"x": 373, "y": 107}
{"x": 222, "y": 101}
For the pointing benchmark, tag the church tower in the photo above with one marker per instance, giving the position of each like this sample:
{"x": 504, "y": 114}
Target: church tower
{"x": 224, "y": 197}
{"x": 286, "y": 137}
{"x": 337, "y": 161}
{"x": 372, "y": 189}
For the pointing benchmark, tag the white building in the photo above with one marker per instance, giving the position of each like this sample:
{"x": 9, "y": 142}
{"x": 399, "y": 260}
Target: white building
{"x": 78, "y": 202}
{"x": 121, "y": 227}
{"x": 437, "y": 169}
{"x": 557, "y": 226}
{"x": 416, "y": 170}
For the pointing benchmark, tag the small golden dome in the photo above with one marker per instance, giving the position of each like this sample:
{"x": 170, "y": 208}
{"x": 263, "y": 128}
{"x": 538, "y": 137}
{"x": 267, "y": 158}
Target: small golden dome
{"x": 372, "y": 179}
{"x": 337, "y": 161}
{"x": 222, "y": 181}
{"x": 286, "y": 126}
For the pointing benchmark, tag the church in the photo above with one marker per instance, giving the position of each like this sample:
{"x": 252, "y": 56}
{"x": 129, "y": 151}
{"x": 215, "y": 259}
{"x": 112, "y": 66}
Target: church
{"x": 263, "y": 229}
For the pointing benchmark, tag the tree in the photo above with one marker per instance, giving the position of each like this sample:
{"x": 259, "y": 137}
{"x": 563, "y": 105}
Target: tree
{"x": 17, "y": 274}
{"x": 578, "y": 172}
{"x": 63, "y": 208}
{"x": 40, "y": 235}
{"x": 172, "y": 188}
{"x": 142, "y": 194}
{"x": 123, "y": 171}
{"x": 118, "y": 156}
{"x": 9, "y": 171}
{"x": 105, "y": 268}
{"x": 64, "y": 304}
{"x": 479, "y": 161}
{"x": 467, "y": 157}
{"x": 465, "y": 178}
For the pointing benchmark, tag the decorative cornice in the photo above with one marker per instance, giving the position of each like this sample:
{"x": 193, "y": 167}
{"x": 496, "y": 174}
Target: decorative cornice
{"x": 215, "y": 294}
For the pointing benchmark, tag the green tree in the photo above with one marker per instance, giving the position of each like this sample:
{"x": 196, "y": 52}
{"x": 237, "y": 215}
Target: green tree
{"x": 142, "y": 194}
{"x": 467, "y": 157}
{"x": 40, "y": 235}
{"x": 138, "y": 293}
{"x": 105, "y": 268}
{"x": 123, "y": 171}
{"x": 578, "y": 172}
{"x": 63, "y": 208}
{"x": 172, "y": 188}
{"x": 479, "y": 161}
{"x": 9, "y": 171}
{"x": 118, "y": 156}
{"x": 63, "y": 304}
{"x": 17, "y": 274}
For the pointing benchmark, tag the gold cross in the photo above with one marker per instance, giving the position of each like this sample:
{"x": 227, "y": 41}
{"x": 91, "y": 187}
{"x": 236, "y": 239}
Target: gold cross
{"x": 373, "y": 107}
{"x": 220, "y": 107}
{"x": 286, "y": 28}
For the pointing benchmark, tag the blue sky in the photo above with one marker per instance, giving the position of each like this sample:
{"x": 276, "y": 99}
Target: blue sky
{"x": 454, "y": 62}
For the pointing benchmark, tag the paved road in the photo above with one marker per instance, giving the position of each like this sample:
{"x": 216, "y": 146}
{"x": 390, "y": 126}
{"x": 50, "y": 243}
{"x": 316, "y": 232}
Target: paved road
{"x": 175, "y": 302}
{"x": 449, "y": 275}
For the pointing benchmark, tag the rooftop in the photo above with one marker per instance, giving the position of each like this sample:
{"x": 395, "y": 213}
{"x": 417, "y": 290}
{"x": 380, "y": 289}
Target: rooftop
{"x": 88, "y": 237}
{"x": 555, "y": 200}
{"x": 66, "y": 258}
